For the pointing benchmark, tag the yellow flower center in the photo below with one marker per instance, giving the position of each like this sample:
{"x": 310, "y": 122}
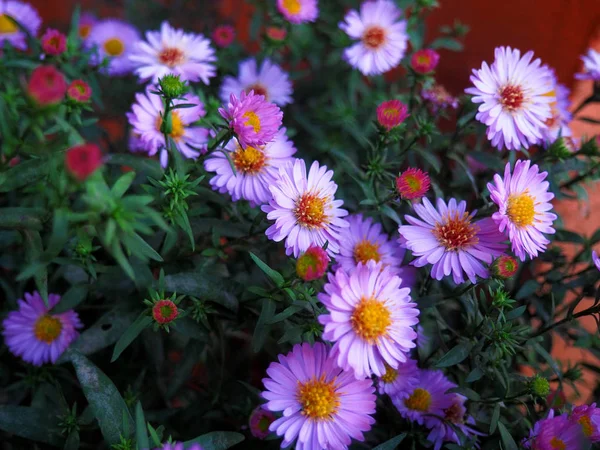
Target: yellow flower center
{"x": 318, "y": 398}
{"x": 253, "y": 120}
{"x": 414, "y": 183}
{"x": 373, "y": 37}
{"x": 177, "y": 127}
{"x": 419, "y": 400}
{"x": 249, "y": 160}
{"x": 366, "y": 251}
{"x": 371, "y": 319}
{"x": 292, "y": 6}
{"x": 47, "y": 329}
{"x": 586, "y": 425}
{"x": 521, "y": 209}
{"x": 558, "y": 444}
{"x": 423, "y": 59}
{"x": 390, "y": 375}
{"x": 84, "y": 31}
{"x": 456, "y": 232}
{"x": 7, "y": 26}
{"x": 114, "y": 47}
{"x": 310, "y": 211}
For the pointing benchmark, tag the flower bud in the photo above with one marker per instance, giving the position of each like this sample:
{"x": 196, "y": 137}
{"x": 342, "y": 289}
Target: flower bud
{"x": 83, "y": 160}
{"x": 424, "y": 61}
{"x": 164, "y": 311}
{"x": 412, "y": 184}
{"x": 312, "y": 265}
{"x": 47, "y": 85}
{"x": 223, "y": 35}
{"x": 391, "y": 113}
{"x": 539, "y": 386}
{"x": 54, "y": 42}
{"x": 79, "y": 91}
{"x": 172, "y": 86}
{"x": 505, "y": 267}
{"x": 260, "y": 420}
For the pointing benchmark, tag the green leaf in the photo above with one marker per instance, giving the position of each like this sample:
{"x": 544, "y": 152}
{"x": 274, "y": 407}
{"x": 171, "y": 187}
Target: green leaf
{"x": 26, "y": 173}
{"x": 447, "y": 43}
{"x": 134, "y": 330}
{"x": 287, "y": 312}
{"x": 60, "y": 234}
{"x": 147, "y": 166}
{"x": 122, "y": 184}
{"x": 569, "y": 236}
{"x": 392, "y": 444}
{"x": 495, "y": 417}
{"x": 548, "y": 358}
{"x": 72, "y": 298}
{"x": 39, "y": 425}
{"x": 21, "y": 218}
{"x": 141, "y": 435}
{"x": 528, "y": 289}
{"x": 467, "y": 392}
{"x": 515, "y": 313}
{"x": 104, "y": 398}
{"x": 202, "y": 286}
{"x": 216, "y": 440}
{"x": 476, "y": 374}
{"x": 190, "y": 328}
{"x": 275, "y": 276}
{"x": 507, "y": 440}
{"x": 456, "y": 355}
{"x": 72, "y": 442}
{"x": 139, "y": 247}
{"x": 262, "y": 328}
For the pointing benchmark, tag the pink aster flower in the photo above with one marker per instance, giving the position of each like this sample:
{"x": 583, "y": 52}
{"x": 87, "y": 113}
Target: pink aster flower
{"x": 113, "y": 39}
{"x": 54, "y": 42}
{"x": 223, "y": 35}
{"x": 591, "y": 66}
{"x": 79, "y": 91}
{"x": 269, "y": 80}
{"x": 391, "y": 113}
{"x": 412, "y": 184}
{"x": 402, "y": 379}
{"x": 555, "y": 432}
{"x": 505, "y": 266}
{"x": 254, "y": 120}
{"x": 146, "y": 119}
{"x": 596, "y": 259}
{"x": 304, "y": 209}
{"x": 523, "y": 201}
{"x": 23, "y": 13}
{"x": 323, "y": 406}
{"x": 439, "y": 98}
{"x": 426, "y": 398}
{"x": 86, "y": 22}
{"x": 260, "y": 421}
{"x": 370, "y": 319}
{"x": 256, "y": 168}
{"x": 364, "y": 241}
{"x": 589, "y": 419}
{"x": 298, "y": 11}
{"x": 448, "y": 238}
{"x": 425, "y": 60}
{"x": 558, "y": 123}
{"x": 381, "y": 36}
{"x": 455, "y": 416}
{"x": 173, "y": 51}
{"x": 312, "y": 264}
{"x": 513, "y": 97}
{"x": 37, "y": 335}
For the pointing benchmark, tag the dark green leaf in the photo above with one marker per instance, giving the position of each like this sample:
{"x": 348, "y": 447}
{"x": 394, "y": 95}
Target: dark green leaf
{"x": 39, "y": 425}
{"x": 287, "y": 312}
{"x": 146, "y": 166}
{"x": 216, "y": 440}
{"x": 72, "y": 298}
{"x": 202, "y": 286}
{"x": 122, "y": 184}
{"x": 456, "y": 355}
{"x": 476, "y": 374}
{"x": 392, "y": 444}
{"x": 188, "y": 327}
{"x": 262, "y": 329}
{"x": 275, "y": 276}
{"x": 141, "y": 435}
{"x": 507, "y": 440}
{"x": 134, "y": 330}
{"x": 569, "y": 236}
{"x": 495, "y": 417}
{"x": 515, "y": 313}
{"x": 528, "y": 289}
{"x": 72, "y": 442}
{"x": 21, "y": 218}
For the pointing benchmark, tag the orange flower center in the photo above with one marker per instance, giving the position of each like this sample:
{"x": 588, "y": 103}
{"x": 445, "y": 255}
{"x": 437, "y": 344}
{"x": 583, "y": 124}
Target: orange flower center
{"x": 455, "y": 414}
{"x": 456, "y": 232}
{"x": 249, "y": 160}
{"x": 390, "y": 375}
{"x": 310, "y": 211}
{"x": 373, "y": 37}
{"x": 391, "y": 114}
{"x": 177, "y": 127}
{"x": 558, "y": 444}
{"x": 414, "y": 183}
{"x": 84, "y": 31}
{"x": 171, "y": 56}
{"x": 366, "y": 251}
{"x": 253, "y": 120}
{"x": 7, "y": 26}
{"x": 258, "y": 89}
{"x": 371, "y": 319}
{"x": 586, "y": 425}
{"x": 47, "y": 328}
{"x": 521, "y": 210}
{"x": 419, "y": 400}
{"x": 424, "y": 60}
{"x": 511, "y": 97}
{"x": 292, "y": 6}
{"x": 318, "y": 398}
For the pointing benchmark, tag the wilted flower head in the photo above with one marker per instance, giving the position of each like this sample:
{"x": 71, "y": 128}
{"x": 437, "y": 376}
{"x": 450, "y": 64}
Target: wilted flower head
{"x": 312, "y": 264}
{"x": 79, "y": 91}
{"x": 425, "y": 60}
{"x": 223, "y": 35}
{"x": 83, "y": 160}
{"x": 412, "y": 184}
{"x": 22, "y": 13}
{"x": 298, "y": 11}
{"x": 439, "y": 98}
{"x": 391, "y": 113}
{"x": 591, "y": 66}
{"x": 54, "y": 42}
{"x": 47, "y": 85}
{"x": 260, "y": 421}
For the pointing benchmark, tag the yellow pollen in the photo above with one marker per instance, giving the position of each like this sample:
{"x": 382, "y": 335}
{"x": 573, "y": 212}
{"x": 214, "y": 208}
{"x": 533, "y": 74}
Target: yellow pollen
{"x": 456, "y": 232}
{"x": 558, "y": 444}
{"x": 390, "y": 375}
{"x": 249, "y": 160}
{"x": 586, "y": 425}
{"x": 47, "y": 329}
{"x": 419, "y": 400}
{"x": 7, "y": 26}
{"x": 292, "y": 6}
{"x": 253, "y": 120}
{"x": 366, "y": 251}
{"x": 551, "y": 93}
{"x": 521, "y": 209}
{"x": 318, "y": 398}
{"x": 114, "y": 47}
{"x": 177, "y": 127}
{"x": 310, "y": 211}
{"x": 371, "y": 319}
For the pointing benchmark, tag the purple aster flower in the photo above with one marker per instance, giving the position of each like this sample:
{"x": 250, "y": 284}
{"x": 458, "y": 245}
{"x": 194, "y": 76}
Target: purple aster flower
{"x": 146, "y": 119}
{"x": 381, "y": 36}
{"x": 113, "y": 39}
{"x": 395, "y": 381}
{"x": 523, "y": 201}
{"x": 23, "y": 13}
{"x": 555, "y": 433}
{"x": 298, "y": 11}
{"x": 558, "y": 124}
{"x": 254, "y": 120}
{"x": 455, "y": 416}
{"x": 591, "y": 66}
{"x": 178, "y": 446}
{"x": 256, "y": 168}
{"x": 173, "y": 51}
{"x": 596, "y": 259}
{"x": 35, "y": 334}
{"x": 448, "y": 238}
{"x": 86, "y": 22}
{"x": 589, "y": 419}
{"x": 439, "y": 98}
{"x": 370, "y": 319}
{"x": 269, "y": 80}
{"x": 514, "y": 98}
{"x": 304, "y": 209}
{"x": 323, "y": 406}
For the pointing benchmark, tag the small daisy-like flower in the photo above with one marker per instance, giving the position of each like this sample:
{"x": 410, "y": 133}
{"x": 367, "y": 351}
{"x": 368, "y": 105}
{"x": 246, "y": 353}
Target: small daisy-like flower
{"x": 54, "y": 42}
{"x": 86, "y": 22}
{"x": 455, "y": 416}
{"x": 298, "y": 11}
{"x": 439, "y": 98}
{"x": 505, "y": 267}
{"x": 363, "y": 241}
{"x": 523, "y": 201}
{"x": 513, "y": 96}
{"x": 555, "y": 433}
{"x": 425, "y": 60}
{"x": 412, "y": 184}
{"x": 395, "y": 381}
{"x": 254, "y": 120}
{"x": 382, "y": 37}
{"x": 312, "y": 264}
{"x": 304, "y": 209}
{"x": 370, "y": 319}
{"x": 83, "y": 160}
{"x": 596, "y": 259}
{"x": 591, "y": 66}
{"x": 178, "y": 446}
{"x": 269, "y": 80}
{"x": 558, "y": 123}
{"x": 448, "y": 238}
{"x": 79, "y": 91}
{"x": 256, "y": 168}
{"x": 165, "y": 311}
{"x": 22, "y": 13}
{"x": 589, "y": 419}
{"x": 35, "y": 334}
{"x": 260, "y": 421}
{"x": 47, "y": 85}
{"x": 391, "y": 113}
{"x": 173, "y": 51}
{"x": 223, "y": 35}
{"x": 276, "y": 34}
{"x": 323, "y": 406}
{"x": 146, "y": 119}
{"x": 113, "y": 39}
{"x": 426, "y": 398}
